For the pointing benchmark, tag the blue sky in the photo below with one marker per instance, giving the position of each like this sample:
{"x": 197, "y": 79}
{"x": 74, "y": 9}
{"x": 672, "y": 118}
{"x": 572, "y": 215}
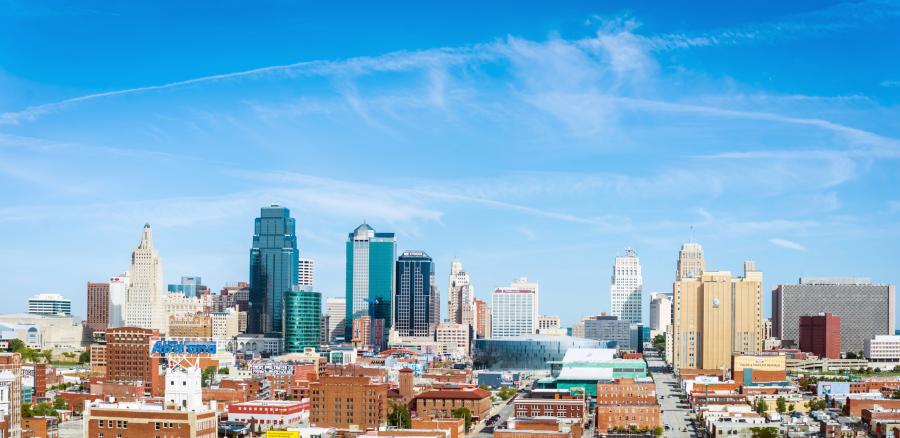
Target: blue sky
{"x": 527, "y": 138}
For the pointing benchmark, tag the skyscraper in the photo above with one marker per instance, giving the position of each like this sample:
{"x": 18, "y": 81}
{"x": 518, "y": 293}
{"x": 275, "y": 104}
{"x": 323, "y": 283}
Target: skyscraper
{"x": 370, "y": 276}
{"x": 461, "y": 295}
{"x": 660, "y": 311}
{"x": 482, "y": 319}
{"x": 690, "y": 261}
{"x": 626, "y": 288}
{"x": 413, "y": 306}
{"x": 273, "y": 268}
{"x": 865, "y": 309}
{"x": 336, "y": 309}
{"x": 302, "y": 316}
{"x": 190, "y": 286}
{"x": 514, "y": 310}
{"x": 97, "y": 306}
{"x": 146, "y": 307}
{"x": 118, "y": 299}
{"x": 715, "y": 315}
{"x": 305, "y": 272}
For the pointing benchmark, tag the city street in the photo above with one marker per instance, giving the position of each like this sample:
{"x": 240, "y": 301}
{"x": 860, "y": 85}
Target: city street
{"x": 675, "y": 414}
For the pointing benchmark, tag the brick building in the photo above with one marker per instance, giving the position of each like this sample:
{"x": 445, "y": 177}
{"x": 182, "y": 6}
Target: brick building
{"x": 98, "y": 360}
{"x": 128, "y": 358}
{"x": 540, "y": 428}
{"x": 255, "y": 388}
{"x": 145, "y": 420}
{"x": 97, "y": 306}
{"x": 821, "y": 335}
{"x": 348, "y": 403}
{"x": 552, "y": 403}
{"x": 190, "y": 326}
{"x": 40, "y": 427}
{"x": 269, "y": 414}
{"x": 439, "y": 403}
{"x": 626, "y": 403}
{"x": 855, "y": 406}
{"x": 11, "y": 394}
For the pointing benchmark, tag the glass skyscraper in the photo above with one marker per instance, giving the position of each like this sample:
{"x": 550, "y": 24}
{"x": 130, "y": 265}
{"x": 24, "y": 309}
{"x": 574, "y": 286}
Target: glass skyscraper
{"x": 370, "y": 276}
{"x": 273, "y": 268}
{"x": 413, "y": 306}
{"x": 302, "y": 319}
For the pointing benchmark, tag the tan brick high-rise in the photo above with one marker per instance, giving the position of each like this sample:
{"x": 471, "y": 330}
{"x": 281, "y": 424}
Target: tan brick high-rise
{"x": 128, "y": 357}
{"x": 716, "y": 315}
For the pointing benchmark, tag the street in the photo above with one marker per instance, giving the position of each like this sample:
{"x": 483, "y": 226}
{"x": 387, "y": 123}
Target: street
{"x": 675, "y": 413}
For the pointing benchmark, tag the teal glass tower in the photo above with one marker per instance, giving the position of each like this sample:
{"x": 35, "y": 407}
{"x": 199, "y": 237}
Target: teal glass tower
{"x": 273, "y": 269}
{"x": 370, "y": 276}
{"x": 302, "y": 319}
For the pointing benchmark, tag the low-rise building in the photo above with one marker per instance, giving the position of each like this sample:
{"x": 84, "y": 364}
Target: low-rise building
{"x": 561, "y": 404}
{"x": 440, "y": 402}
{"x": 883, "y": 349}
{"x": 627, "y": 404}
{"x": 539, "y": 428}
{"x": 269, "y": 414}
{"x": 143, "y": 420}
{"x": 40, "y": 427}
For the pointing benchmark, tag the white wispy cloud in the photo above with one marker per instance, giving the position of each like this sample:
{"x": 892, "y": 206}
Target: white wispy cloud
{"x": 784, "y": 243}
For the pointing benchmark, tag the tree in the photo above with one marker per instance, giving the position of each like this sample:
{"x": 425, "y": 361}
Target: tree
{"x": 659, "y": 342}
{"x": 791, "y": 408}
{"x": 761, "y": 407}
{"x": 16, "y": 345}
{"x": 47, "y": 355}
{"x": 895, "y": 395}
{"x": 465, "y": 413}
{"x": 223, "y": 370}
{"x": 658, "y": 431}
{"x": 506, "y": 392}
{"x": 207, "y": 375}
{"x": 85, "y": 356}
{"x": 60, "y": 404}
{"x": 816, "y": 405}
{"x": 780, "y": 405}
{"x": 850, "y": 355}
{"x": 26, "y": 410}
{"x": 764, "y": 432}
{"x": 399, "y": 416}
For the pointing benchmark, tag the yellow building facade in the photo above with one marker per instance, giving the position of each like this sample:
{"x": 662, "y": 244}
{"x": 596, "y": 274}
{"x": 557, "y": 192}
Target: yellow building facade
{"x": 716, "y": 315}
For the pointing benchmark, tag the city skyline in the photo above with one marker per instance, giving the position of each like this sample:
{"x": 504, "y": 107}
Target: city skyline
{"x": 764, "y": 134}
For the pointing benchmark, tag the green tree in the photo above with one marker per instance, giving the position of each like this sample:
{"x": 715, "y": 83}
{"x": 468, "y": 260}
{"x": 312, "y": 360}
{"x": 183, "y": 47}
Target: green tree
{"x": 506, "y": 392}
{"x": 60, "y": 403}
{"x": 659, "y": 342}
{"x": 47, "y": 355}
{"x": 207, "y": 375}
{"x": 84, "y": 357}
{"x": 658, "y": 431}
{"x": 465, "y": 413}
{"x": 895, "y": 395}
{"x": 764, "y": 432}
{"x": 17, "y": 345}
{"x": 780, "y": 405}
{"x": 26, "y": 410}
{"x": 399, "y": 416}
{"x": 223, "y": 370}
{"x": 816, "y": 405}
{"x": 850, "y": 355}
{"x": 761, "y": 406}
{"x": 791, "y": 408}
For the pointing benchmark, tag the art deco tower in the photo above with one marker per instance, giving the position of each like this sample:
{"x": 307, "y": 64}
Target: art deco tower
{"x": 146, "y": 306}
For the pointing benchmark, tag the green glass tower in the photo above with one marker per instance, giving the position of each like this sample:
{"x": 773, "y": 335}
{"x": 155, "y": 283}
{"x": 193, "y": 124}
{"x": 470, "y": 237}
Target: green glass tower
{"x": 370, "y": 276}
{"x": 302, "y": 319}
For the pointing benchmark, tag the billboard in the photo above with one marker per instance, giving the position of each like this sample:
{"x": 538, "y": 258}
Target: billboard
{"x": 282, "y": 434}
{"x": 271, "y": 368}
{"x": 187, "y": 346}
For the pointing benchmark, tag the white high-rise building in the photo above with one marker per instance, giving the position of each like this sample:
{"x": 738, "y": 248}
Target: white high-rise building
{"x": 461, "y": 303}
{"x": 660, "y": 311}
{"x": 49, "y": 304}
{"x": 146, "y": 307}
{"x": 336, "y": 310}
{"x": 225, "y": 324}
{"x": 305, "y": 272}
{"x": 514, "y": 310}
{"x": 118, "y": 299}
{"x": 627, "y": 285}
